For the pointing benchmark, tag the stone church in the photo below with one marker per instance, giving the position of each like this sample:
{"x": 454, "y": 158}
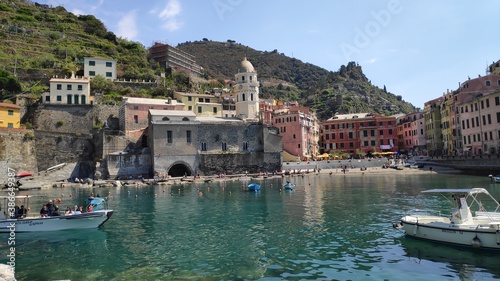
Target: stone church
{"x": 182, "y": 143}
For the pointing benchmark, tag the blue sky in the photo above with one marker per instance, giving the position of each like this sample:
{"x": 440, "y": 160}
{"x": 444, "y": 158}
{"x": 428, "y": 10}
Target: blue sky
{"x": 417, "y": 49}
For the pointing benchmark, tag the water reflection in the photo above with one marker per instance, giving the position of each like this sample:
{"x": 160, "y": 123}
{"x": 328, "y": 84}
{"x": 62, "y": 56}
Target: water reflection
{"x": 468, "y": 264}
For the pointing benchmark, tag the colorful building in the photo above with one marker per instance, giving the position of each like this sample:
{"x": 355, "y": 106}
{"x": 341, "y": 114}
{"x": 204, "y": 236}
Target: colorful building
{"x": 133, "y": 113}
{"x": 200, "y": 104}
{"x": 299, "y": 129}
{"x": 68, "y": 91}
{"x": 433, "y": 132}
{"x": 10, "y": 115}
{"x": 411, "y": 134}
{"x": 479, "y": 114}
{"x": 359, "y": 133}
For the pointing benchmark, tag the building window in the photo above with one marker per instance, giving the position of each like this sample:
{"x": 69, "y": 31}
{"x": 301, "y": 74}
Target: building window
{"x": 215, "y": 110}
{"x": 188, "y": 136}
{"x": 69, "y": 87}
{"x": 488, "y": 83}
{"x": 76, "y": 99}
{"x": 326, "y": 127}
{"x": 91, "y": 63}
{"x": 190, "y": 98}
{"x": 203, "y": 146}
{"x": 136, "y": 119}
{"x": 251, "y": 97}
{"x": 82, "y": 98}
{"x": 80, "y": 87}
{"x": 199, "y": 109}
{"x": 169, "y": 136}
{"x": 224, "y": 146}
{"x": 207, "y": 100}
{"x": 135, "y": 107}
{"x": 245, "y": 146}
{"x": 190, "y": 108}
{"x": 69, "y": 99}
{"x": 47, "y": 98}
{"x": 92, "y": 73}
{"x": 58, "y": 98}
{"x": 390, "y": 131}
{"x": 372, "y": 132}
{"x": 59, "y": 86}
{"x": 365, "y": 143}
{"x": 294, "y": 136}
{"x": 200, "y": 99}
{"x": 109, "y": 64}
{"x": 243, "y": 97}
{"x": 351, "y": 144}
{"x": 350, "y": 135}
{"x": 109, "y": 74}
{"x": 372, "y": 143}
{"x": 381, "y": 132}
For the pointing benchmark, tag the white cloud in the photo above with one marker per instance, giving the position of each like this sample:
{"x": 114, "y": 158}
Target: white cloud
{"x": 372, "y": 60}
{"x": 170, "y": 11}
{"x": 169, "y": 15}
{"x": 127, "y": 26}
{"x": 78, "y": 12}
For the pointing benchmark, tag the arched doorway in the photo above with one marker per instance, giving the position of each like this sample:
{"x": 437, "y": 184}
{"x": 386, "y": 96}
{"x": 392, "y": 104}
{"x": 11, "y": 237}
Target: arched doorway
{"x": 179, "y": 170}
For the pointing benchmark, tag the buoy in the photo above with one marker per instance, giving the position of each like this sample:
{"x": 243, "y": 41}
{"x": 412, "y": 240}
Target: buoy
{"x": 475, "y": 243}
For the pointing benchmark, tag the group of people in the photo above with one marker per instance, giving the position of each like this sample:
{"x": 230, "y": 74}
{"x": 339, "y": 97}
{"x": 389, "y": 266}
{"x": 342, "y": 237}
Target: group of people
{"x": 20, "y": 212}
{"x": 52, "y": 210}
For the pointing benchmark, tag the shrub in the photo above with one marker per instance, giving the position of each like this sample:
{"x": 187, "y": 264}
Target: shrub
{"x": 59, "y": 123}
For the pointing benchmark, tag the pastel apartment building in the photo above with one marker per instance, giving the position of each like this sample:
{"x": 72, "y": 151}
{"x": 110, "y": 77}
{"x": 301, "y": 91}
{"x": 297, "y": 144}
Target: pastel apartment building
{"x": 10, "y": 115}
{"x": 99, "y": 66}
{"x": 363, "y": 132}
{"x": 479, "y": 114}
{"x": 200, "y": 104}
{"x": 134, "y": 112}
{"x": 68, "y": 91}
{"x": 411, "y": 133}
{"x": 299, "y": 129}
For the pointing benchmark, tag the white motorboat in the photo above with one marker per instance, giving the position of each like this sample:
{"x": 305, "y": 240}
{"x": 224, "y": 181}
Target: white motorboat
{"x": 495, "y": 179}
{"x": 469, "y": 224}
{"x": 12, "y": 220}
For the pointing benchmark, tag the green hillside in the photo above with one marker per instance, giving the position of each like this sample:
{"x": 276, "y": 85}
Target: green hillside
{"x": 347, "y": 90}
{"x": 39, "y": 42}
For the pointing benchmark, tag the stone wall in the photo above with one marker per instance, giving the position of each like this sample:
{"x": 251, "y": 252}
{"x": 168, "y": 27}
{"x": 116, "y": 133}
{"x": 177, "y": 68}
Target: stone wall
{"x": 239, "y": 163}
{"x": 16, "y": 151}
{"x": 53, "y": 148}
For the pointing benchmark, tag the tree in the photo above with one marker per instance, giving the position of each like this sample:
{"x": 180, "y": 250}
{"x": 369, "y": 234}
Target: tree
{"x": 9, "y": 83}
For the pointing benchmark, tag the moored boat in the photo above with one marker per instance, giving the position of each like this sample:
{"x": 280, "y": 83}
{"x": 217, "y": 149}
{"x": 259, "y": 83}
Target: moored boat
{"x": 253, "y": 187}
{"x": 469, "y": 224}
{"x": 12, "y": 220}
{"x": 495, "y": 179}
{"x": 288, "y": 185}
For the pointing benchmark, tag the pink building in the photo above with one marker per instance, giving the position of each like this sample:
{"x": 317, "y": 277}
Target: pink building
{"x": 411, "y": 133}
{"x": 299, "y": 129}
{"x": 478, "y": 112}
{"x": 134, "y": 113}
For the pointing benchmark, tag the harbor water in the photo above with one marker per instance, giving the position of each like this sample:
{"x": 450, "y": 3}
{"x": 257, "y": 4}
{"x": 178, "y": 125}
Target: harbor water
{"x": 330, "y": 227}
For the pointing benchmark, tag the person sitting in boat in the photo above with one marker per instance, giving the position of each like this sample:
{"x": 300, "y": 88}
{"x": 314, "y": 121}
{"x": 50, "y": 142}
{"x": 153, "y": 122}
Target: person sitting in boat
{"x": 89, "y": 208}
{"x": 44, "y": 212}
{"x": 68, "y": 211}
{"x": 51, "y": 208}
{"x": 56, "y": 212}
{"x": 22, "y": 212}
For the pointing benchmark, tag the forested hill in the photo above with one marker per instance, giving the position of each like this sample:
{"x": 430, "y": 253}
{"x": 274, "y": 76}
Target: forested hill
{"x": 347, "y": 90}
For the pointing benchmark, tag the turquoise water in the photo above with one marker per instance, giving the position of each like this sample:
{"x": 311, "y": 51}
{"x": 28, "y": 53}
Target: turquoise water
{"x": 331, "y": 227}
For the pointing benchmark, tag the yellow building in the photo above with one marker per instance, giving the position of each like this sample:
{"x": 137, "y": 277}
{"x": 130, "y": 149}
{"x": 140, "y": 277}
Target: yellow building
{"x": 201, "y": 104}
{"x": 10, "y": 115}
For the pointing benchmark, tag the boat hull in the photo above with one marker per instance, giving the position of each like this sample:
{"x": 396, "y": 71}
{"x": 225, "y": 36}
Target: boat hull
{"x": 78, "y": 221}
{"x": 485, "y": 236}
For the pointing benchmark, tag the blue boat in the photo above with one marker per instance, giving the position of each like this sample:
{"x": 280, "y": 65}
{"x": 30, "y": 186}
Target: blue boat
{"x": 253, "y": 187}
{"x": 289, "y": 185}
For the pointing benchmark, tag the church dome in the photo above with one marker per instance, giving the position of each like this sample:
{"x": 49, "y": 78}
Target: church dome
{"x": 247, "y": 66}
